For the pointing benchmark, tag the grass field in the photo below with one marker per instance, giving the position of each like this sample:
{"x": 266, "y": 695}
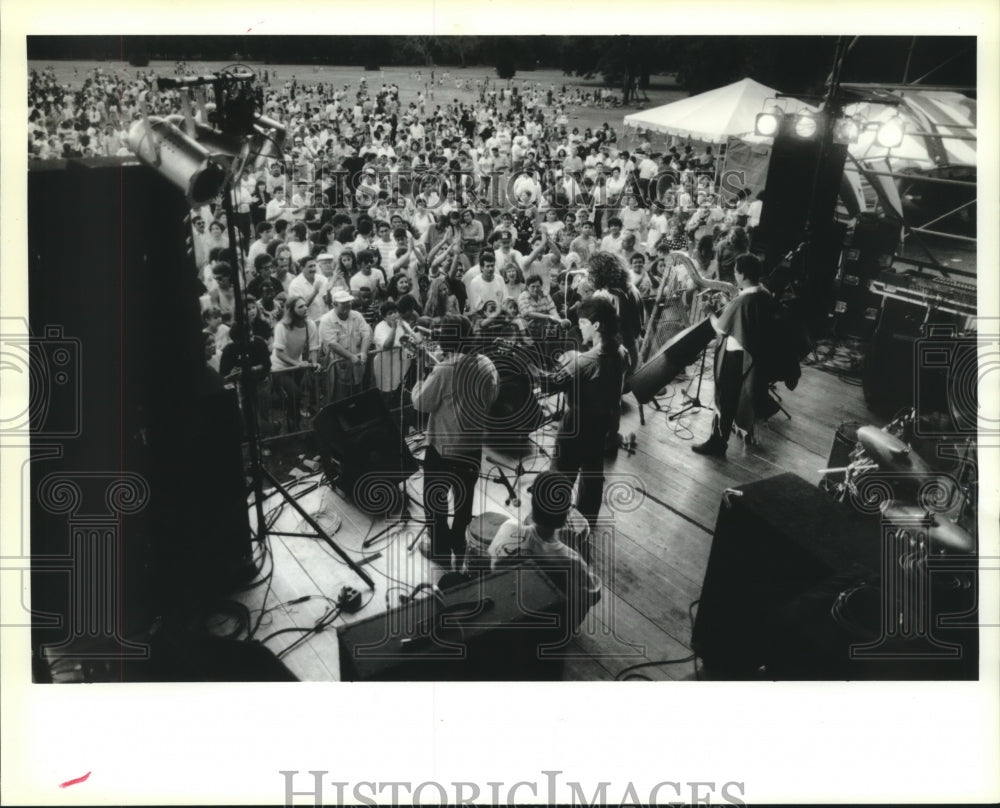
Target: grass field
{"x": 663, "y": 90}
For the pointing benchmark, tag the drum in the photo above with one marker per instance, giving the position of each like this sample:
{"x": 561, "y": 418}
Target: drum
{"x": 479, "y": 536}
{"x": 845, "y": 441}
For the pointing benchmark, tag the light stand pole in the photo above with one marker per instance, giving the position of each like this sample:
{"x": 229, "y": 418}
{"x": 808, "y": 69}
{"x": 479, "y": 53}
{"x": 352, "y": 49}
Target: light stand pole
{"x": 248, "y": 385}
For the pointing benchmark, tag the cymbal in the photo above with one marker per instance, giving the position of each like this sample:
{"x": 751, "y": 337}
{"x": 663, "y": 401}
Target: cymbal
{"x": 944, "y": 535}
{"x": 890, "y": 452}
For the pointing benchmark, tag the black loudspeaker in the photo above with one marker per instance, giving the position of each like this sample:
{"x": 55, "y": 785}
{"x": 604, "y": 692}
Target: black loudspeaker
{"x": 494, "y": 628}
{"x": 123, "y": 411}
{"x": 796, "y": 193}
{"x": 371, "y": 457}
{"x": 777, "y": 539}
{"x": 870, "y": 249}
{"x": 795, "y": 589}
{"x": 899, "y": 368}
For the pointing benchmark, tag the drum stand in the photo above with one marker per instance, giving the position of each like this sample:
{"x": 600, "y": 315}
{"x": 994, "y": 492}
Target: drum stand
{"x": 693, "y": 402}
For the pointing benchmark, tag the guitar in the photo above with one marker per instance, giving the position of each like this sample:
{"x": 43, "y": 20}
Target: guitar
{"x": 419, "y": 350}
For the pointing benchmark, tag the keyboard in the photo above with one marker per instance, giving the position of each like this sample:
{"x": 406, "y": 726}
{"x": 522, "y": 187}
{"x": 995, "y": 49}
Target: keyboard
{"x": 932, "y": 291}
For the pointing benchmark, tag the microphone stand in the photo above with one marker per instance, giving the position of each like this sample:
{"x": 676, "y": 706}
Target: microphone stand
{"x": 248, "y": 384}
{"x": 693, "y": 402}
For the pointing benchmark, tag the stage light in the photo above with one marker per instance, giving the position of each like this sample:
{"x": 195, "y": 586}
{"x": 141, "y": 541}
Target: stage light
{"x": 889, "y": 135}
{"x": 846, "y": 130}
{"x": 179, "y": 158}
{"x": 767, "y": 124}
{"x": 805, "y": 125}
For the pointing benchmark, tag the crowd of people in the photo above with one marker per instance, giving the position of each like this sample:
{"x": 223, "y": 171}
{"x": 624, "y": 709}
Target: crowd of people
{"x": 385, "y": 217}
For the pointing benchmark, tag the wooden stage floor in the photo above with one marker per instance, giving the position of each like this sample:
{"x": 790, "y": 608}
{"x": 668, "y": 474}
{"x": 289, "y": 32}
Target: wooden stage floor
{"x": 652, "y": 562}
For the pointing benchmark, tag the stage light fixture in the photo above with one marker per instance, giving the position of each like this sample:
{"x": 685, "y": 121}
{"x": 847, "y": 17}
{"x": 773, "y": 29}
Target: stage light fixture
{"x": 767, "y": 123}
{"x": 889, "y": 134}
{"x": 179, "y": 158}
{"x": 846, "y": 130}
{"x": 805, "y": 125}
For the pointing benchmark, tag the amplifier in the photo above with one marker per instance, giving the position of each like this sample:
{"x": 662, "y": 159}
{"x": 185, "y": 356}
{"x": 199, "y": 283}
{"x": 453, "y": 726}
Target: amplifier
{"x": 495, "y": 627}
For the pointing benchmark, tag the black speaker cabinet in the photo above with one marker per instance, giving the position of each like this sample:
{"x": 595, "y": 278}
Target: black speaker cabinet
{"x": 900, "y": 366}
{"x": 802, "y": 184}
{"x": 870, "y": 249}
{"x": 494, "y": 628}
{"x": 795, "y": 583}
{"x": 772, "y": 542}
{"x": 361, "y": 436}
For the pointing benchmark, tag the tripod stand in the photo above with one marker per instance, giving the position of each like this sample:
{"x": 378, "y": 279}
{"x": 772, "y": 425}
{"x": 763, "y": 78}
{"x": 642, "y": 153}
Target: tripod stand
{"x": 247, "y": 382}
{"x": 693, "y": 402}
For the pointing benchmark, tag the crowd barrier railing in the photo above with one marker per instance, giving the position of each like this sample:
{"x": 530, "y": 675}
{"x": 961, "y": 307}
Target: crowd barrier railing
{"x": 289, "y": 398}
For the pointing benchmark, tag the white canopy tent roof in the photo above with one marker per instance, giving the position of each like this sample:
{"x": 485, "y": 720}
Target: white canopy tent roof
{"x": 716, "y": 115}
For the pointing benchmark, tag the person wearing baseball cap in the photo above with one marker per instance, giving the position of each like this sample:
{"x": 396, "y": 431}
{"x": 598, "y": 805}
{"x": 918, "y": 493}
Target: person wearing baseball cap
{"x": 345, "y": 338}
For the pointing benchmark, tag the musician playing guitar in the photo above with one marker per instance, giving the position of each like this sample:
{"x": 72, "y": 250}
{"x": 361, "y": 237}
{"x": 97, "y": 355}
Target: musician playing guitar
{"x": 746, "y": 332}
{"x": 593, "y": 382}
{"x": 458, "y": 394}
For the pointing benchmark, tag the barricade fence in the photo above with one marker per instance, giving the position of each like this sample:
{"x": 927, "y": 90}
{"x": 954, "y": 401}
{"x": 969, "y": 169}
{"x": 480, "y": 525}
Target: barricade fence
{"x": 288, "y": 398}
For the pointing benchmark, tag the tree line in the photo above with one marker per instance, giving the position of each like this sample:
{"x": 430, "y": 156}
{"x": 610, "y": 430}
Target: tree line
{"x": 791, "y": 64}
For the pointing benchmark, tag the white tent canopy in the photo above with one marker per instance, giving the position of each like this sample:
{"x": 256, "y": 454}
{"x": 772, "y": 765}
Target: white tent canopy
{"x": 716, "y": 115}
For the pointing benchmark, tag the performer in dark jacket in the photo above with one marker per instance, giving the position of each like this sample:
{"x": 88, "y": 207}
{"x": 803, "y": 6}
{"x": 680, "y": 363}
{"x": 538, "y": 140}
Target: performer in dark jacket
{"x": 746, "y": 339}
{"x": 593, "y": 382}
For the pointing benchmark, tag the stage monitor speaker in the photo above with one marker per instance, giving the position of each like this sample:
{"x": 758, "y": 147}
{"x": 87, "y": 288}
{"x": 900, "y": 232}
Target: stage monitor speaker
{"x": 796, "y": 193}
{"x": 489, "y": 629}
{"x": 795, "y": 580}
{"x": 774, "y": 541}
{"x": 120, "y": 389}
{"x": 373, "y": 459}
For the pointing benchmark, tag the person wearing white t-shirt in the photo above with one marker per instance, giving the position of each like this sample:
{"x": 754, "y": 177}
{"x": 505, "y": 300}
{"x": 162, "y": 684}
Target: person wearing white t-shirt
{"x": 546, "y": 538}
{"x": 505, "y": 252}
{"x": 612, "y": 242}
{"x": 488, "y": 287}
{"x": 391, "y": 362}
{"x": 368, "y": 276}
{"x": 310, "y": 287}
{"x": 279, "y": 207}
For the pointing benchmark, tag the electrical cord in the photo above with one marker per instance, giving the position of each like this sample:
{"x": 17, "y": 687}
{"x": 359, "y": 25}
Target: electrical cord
{"x": 627, "y": 673}
{"x": 320, "y": 626}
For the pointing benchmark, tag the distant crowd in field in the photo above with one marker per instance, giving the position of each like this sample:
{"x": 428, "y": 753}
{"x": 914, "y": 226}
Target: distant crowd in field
{"x": 384, "y": 206}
